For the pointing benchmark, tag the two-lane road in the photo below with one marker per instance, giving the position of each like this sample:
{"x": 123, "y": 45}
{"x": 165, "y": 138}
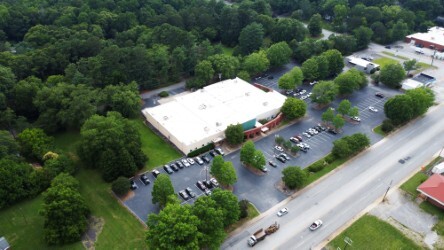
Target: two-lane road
{"x": 343, "y": 195}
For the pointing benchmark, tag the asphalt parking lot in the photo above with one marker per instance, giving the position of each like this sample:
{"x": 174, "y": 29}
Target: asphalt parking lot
{"x": 261, "y": 190}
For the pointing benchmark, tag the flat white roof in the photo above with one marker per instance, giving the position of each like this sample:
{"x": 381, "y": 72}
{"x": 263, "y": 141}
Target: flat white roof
{"x": 411, "y": 84}
{"x": 208, "y": 111}
{"x": 360, "y": 62}
{"x": 434, "y": 35}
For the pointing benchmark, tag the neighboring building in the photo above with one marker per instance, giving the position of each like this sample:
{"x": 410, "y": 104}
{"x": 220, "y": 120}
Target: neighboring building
{"x": 433, "y": 190}
{"x": 4, "y": 245}
{"x": 438, "y": 169}
{"x": 411, "y": 84}
{"x": 193, "y": 120}
{"x": 419, "y": 81}
{"x": 433, "y": 39}
{"x": 363, "y": 65}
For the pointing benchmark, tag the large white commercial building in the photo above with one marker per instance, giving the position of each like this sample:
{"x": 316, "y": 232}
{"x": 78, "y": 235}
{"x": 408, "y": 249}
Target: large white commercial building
{"x": 193, "y": 120}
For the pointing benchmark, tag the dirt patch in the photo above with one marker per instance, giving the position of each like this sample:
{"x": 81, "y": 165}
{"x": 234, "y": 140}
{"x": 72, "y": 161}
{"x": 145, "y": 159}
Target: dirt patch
{"x": 129, "y": 195}
{"x": 281, "y": 187}
{"x": 95, "y": 226}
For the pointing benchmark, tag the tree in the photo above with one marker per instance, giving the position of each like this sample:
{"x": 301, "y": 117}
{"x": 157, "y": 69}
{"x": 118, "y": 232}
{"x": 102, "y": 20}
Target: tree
{"x": 328, "y": 116}
{"x": 7, "y": 80}
{"x": 250, "y": 38}
{"x": 363, "y": 37}
{"x": 324, "y": 92}
{"x": 344, "y": 107}
{"x": 121, "y": 186}
{"x": 59, "y": 163}
{"x": 279, "y": 54}
{"x": 350, "y": 81}
{"x": 227, "y": 202}
{"x": 314, "y": 26}
{"x": 422, "y": 100}
{"x": 287, "y": 29}
{"x": 293, "y": 108}
{"x": 234, "y": 134}
{"x": 124, "y": 99}
{"x": 175, "y": 227}
{"x": 335, "y": 61}
{"x": 291, "y": 79}
{"x": 8, "y": 146}
{"x": 111, "y": 144}
{"x": 227, "y": 176}
{"x": 350, "y": 145}
{"x": 256, "y": 62}
{"x": 409, "y": 65}
{"x": 392, "y": 75}
{"x": 346, "y": 44}
{"x": 310, "y": 69}
{"x": 399, "y": 109}
{"x": 204, "y": 72}
{"x": 323, "y": 70}
{"x": 279, "y": 140}
{"x": 225, "y": 64}
{"x": 162, "y": 188}
{"x": 34, "y": 143}
{"x": 65, "y": 211}
{"x": 294, "y": 177}
{"x": 210, "y": 226}
{"x": 247, "y": 152}
{"x": 399, "y": 30}
{"x": 338, "y": 122}
{"x": 258, "y": 161}
{"x": 353, "y": 112}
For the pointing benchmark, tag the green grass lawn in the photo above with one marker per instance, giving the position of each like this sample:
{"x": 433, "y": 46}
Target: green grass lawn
{"x": 67, "y": 141}
{"x": 397, "y": 56}
{"x": 371, "y": 233}
{"x": 384, "y": 61}
{"x": 252, "y": 212}
{"x": 379, "y": 131}
{"x": 158, "y": 151}
{"x": 315, "y": 176}
{"x": 413, "y": 183}
{"x": 227, "y": 50}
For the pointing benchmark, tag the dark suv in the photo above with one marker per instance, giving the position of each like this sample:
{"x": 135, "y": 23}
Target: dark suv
{"x": 167, "y": 169}
{"x": 379, "y": 94}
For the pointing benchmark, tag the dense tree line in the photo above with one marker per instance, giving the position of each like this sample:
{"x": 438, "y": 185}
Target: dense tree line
{"x": 350, "y": 145}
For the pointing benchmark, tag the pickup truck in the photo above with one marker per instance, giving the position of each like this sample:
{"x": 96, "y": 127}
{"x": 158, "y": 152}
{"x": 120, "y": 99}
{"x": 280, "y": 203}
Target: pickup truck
{"x": 259, "y": 235}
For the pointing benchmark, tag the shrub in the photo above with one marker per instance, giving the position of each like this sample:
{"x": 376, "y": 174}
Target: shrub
{"x": 316, "y": 167}
{"x": 120, "y": 186}
{"x": 387, "y": 126}
{"x": 287, "y": 145}
{"x": 294, "y": 177}
{"x": 263, "y": 121}
{"x": 295, "y": 149}
{"x": 163, "y": 94}
{"x": 279, "y": 140}
{"x": 330, "y": 158}
{"x": 243, "y": 204}
{"x": 201, "y": 150}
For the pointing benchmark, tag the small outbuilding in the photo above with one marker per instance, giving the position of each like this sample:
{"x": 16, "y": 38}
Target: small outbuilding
{"x": 433, "y": 190}
{"x": 4, "y": 245}
{"x": 411, "y": 84}
{"x": 363, "y": 65}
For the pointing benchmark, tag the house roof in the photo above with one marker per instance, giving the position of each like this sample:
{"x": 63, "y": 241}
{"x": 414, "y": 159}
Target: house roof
{"x": 433, "y": 188}
{"x": 4, "y": 245}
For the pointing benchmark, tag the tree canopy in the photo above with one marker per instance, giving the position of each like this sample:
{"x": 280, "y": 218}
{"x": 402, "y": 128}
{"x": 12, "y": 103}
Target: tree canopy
{"x": 294, "y": 108}
{"x": 162, "y": 189}
{"x": 392, "y": 75}
{"x": 294, "y": 177}
{"x": 324, "y": 92}
{"x": 234, "y": 134}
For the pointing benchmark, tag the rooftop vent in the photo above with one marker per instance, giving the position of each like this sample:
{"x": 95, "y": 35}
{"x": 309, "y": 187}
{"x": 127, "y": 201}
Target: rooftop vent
{"x": 206, "y": 129}
{"x": 165, "y": 118}
{"x": 218, "y": 124}
{"x": 202, "y": 106}
{"x": 247, "y": 93}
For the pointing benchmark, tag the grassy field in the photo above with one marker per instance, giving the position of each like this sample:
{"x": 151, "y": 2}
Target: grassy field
{"x": 384, "y": 61}
{"x": 158, "y": 151}
{"x": 252, "y": 212}
{"x": 397, "y": 56}
{"x": 371, "y": 233}
{"x": 379, "y": 131}
{"x": 411, "y": 185}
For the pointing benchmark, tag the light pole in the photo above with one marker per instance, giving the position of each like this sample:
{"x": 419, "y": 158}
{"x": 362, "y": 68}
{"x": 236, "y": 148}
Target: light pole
{"x": 433, "y": 57}
{"x": 220, "y": 77}
{"x": 383, "y": 198}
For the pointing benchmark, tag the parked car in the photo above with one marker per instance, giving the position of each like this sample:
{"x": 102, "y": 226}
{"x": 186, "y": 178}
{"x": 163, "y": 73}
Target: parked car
{"x": 207, "y": 192}
{"x": 379, "y": 94}
{"x": 388, "y": 47}
{"x": 190, "y": 192}
{"x": 133, "y": 185}
{"x": 213, "y": 153}
{"x": 214, "y": 182}
{"x": 304, "y": 97}
{"x": 285, "y": 156}
{"x": 315, "y": 225}
{"x": 306, "y": 134}
{"x": 271, "y": 163}
{"x": 208, "y": 184}
{"x": 174, "y": 167}
{"x": 201, "y": 186}
{"x": 264, "y": 169}
{"x": 282, "y": 212}
{"x": 155, "y": 173}
{"x": 219, "y": 151}
{"x": 299, "y": 137}
{"x": 332, "y": 131}
{"x": 145, "y": 179}
{"x": 355, "y": 118}
{"x": 206, "y": 159}
{"x": 270, "y": 77}
{"x": 184, "y": 195}
{"x": 179, "y": 164}
{"x": 373, "y": 109}
{"x": 191, "y": 161}
{"x": 313, "y": 83}
{"x": 294, "y": 139}
{"x": 303, "y": 91}
{"x": 167, "y": 169}
{"x": 185, "y": 163}
{"x": 289, "y": 92}
{"x": 279, "y": 148}
{"x": 198, "y": 160}
{"x": 281, "y": 158}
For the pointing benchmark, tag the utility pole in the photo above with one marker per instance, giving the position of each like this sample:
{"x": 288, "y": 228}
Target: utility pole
{"x": 433, "y": 57}
{"x": 383, "y": 198}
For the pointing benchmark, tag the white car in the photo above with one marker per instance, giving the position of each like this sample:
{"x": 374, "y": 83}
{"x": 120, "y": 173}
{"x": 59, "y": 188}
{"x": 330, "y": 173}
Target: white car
{"x": 278, "y": 148}
{"x": 185, "y": 162}
{"x": 355, "y": 118}
{"x": 315, "y": 225}
{"x": 306, "y": 134}
{"x": 214, "y": 182}
{"x": 313, "y": 83}
{"x": 282, "y": 212}
{"x": 304, "y": 97}
{"x": 303, "y": 91}
{"x": 191, "y": 161}
{"x": 373, "y": 109}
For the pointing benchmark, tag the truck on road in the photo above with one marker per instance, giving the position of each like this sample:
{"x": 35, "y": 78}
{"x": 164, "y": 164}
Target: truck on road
{"x": 260, "y": 234}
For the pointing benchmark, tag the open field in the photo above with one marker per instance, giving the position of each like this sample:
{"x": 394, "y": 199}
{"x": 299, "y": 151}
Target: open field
{"x": 383, "y": 61}
{"x": 370, "y": 233}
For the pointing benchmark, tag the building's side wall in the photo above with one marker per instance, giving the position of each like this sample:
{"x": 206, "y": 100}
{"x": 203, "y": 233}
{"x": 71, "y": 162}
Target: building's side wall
{"x": 426, "y": 44}
{"x": 435, "y": 203}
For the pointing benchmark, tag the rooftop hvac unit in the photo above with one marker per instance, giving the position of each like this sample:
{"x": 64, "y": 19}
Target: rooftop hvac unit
{"x": 247, "y": 93}
{"x": 218, "y": 124}
{"x": 202, "y": 106}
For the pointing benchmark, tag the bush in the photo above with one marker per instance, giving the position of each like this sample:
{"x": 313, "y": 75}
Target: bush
{"x": 316, "y": 167}
{"x": 243, "y": 204}
{"x": 330, "y": 158}
{"x": 163, "y": 94}
{"x": 287, "y": 145}
{"x": 201, "y": 150}
{"x": 294, "y": 177}
{"x": 263, "y": 121}
{"x": 387, "y": 126}
{"x": 120, "y": 186}
{"x": 279, "y": 140}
